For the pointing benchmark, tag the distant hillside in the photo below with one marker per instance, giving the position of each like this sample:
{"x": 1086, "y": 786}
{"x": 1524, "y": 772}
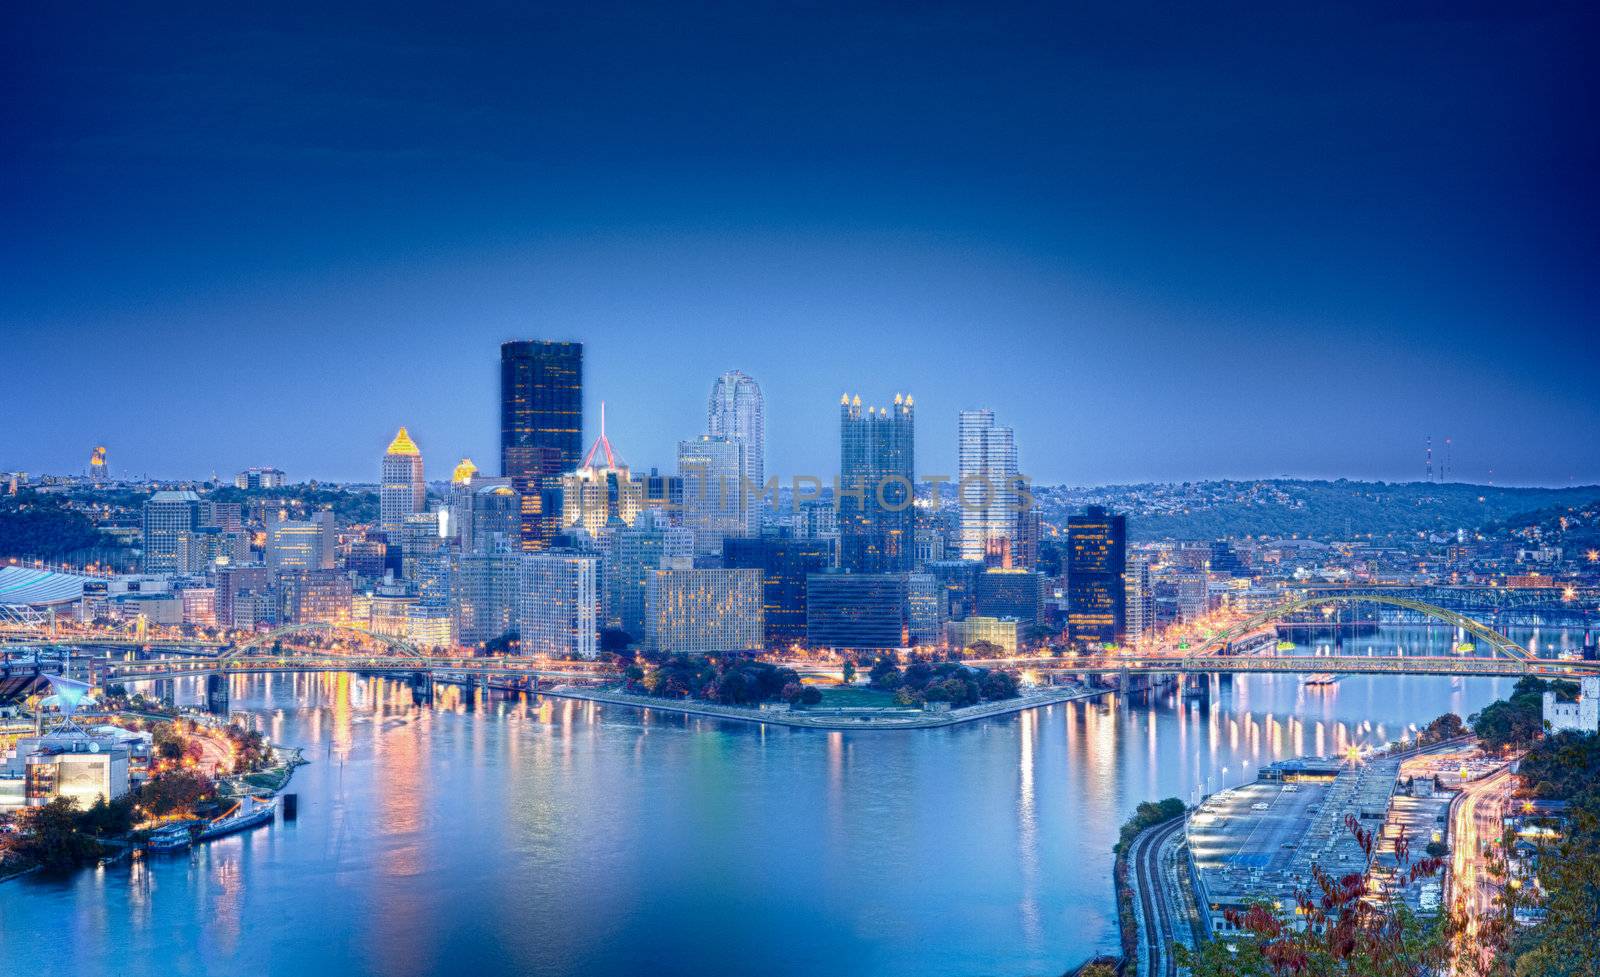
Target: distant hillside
{"x": 1313, "y": 509}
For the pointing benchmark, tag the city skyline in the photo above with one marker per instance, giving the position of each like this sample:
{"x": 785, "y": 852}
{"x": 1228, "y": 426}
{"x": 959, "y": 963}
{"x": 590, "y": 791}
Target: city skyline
{"x": 1153, "y": 266}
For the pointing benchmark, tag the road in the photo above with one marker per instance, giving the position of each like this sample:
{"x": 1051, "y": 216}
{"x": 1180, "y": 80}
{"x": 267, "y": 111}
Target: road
{"x": 1478, "y": 819}
{"x": 1157, "y": 908}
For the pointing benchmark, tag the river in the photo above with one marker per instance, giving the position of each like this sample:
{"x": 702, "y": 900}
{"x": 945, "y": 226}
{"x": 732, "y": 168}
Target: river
{"x": 553, "y": 837}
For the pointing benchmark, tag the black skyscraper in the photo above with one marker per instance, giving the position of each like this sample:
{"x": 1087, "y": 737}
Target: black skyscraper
{"x": 877, "y": 486}
{"x": 541, "y": 427}
{"x": 1097, "y": 546}
{"x": 785, "y": 562}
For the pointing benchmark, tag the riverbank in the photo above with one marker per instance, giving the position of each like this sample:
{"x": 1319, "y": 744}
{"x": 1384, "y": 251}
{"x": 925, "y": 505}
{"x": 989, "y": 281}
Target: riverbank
{"x": 800, "y": 718}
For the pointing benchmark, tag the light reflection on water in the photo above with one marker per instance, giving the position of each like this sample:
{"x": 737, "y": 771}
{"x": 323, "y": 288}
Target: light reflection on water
{"x": 499, "y": 835}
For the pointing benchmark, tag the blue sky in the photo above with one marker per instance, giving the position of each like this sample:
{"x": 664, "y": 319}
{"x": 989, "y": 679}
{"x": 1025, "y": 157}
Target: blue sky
{"x": 1163, "y": 243}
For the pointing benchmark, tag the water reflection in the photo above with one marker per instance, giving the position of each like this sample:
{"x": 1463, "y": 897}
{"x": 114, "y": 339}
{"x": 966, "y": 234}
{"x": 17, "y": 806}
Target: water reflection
{"x": 501, "y": 834}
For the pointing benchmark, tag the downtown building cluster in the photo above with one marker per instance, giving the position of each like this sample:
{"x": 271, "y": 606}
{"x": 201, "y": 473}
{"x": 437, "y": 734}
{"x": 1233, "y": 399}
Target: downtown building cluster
{"x": 569, "y": 551}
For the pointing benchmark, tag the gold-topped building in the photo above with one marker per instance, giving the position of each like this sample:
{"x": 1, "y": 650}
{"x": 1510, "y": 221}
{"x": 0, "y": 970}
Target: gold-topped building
{"x": 402, "y": 491}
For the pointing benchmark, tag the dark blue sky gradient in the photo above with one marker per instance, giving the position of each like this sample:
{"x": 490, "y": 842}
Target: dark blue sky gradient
{"x": 1268, "y": 239}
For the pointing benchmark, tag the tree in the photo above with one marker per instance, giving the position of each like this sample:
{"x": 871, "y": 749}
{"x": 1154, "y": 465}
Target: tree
{"x": 51, "y": 836}
{"x": 1446, "y": 727}
{"x": 884, "y": 674}
{"x": 175, "y": 792}
{"x": 849, "y": 671}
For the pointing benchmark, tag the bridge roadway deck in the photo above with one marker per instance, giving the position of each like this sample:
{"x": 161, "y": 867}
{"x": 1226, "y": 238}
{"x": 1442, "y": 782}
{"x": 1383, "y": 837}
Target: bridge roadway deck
{"x": 515, "y": 667}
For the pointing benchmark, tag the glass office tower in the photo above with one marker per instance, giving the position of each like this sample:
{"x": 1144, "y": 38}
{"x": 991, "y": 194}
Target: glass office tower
{"x": 541, "y": 428}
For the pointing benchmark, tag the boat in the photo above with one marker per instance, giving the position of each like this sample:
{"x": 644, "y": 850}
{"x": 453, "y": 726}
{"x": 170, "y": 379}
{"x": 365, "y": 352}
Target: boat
{"x": 173, "y": 837}
{"x": 1286, "y": 646}
{"x": 1322, "y": 678}
{"x": 240, "y": 821}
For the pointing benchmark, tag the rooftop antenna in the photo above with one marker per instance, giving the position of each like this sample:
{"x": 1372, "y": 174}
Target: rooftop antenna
{"x": 1444, "y": 473}
{"x": 1428, "y": 453}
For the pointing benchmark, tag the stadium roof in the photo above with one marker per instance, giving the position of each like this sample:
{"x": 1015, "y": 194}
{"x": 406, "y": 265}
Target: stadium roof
{"x": 27, "y": 587}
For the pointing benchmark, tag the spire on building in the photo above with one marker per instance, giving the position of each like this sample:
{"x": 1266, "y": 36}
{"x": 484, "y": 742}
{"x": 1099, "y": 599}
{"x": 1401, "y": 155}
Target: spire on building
{"x": 602, "y": 444}
{"x": 465, "y": 469}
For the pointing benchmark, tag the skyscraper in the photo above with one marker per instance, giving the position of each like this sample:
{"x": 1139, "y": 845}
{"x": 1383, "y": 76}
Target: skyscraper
{"x": 987, "y": 489}
{"x": 714, "y": 506}
{"x": 785, "y": 561}
{"x": 560, "y": 600}
{"x": 402, "y": 491}
{"x": 1097, "y": 544}
{"x": 602, "y": 491}
{"x": 737, "y": 411}
{"x": 172, "y": 523}
{"x": 876, "y": 493}
{"x": 541, "y": 427}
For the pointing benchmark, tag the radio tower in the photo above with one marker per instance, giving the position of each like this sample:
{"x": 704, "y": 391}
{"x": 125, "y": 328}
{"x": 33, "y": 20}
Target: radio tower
{"x": 1444, "y": 472}
{"x": 1428, "y": 454}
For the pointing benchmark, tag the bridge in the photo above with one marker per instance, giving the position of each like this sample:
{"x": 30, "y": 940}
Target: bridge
{"x": 1498, "y": 643}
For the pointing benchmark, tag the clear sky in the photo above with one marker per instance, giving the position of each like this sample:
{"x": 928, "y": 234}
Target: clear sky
{"x": 1165, "y": 242}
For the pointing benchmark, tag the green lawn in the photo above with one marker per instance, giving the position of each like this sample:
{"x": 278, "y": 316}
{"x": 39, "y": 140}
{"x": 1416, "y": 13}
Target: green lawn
{"x": 855, "y": 697}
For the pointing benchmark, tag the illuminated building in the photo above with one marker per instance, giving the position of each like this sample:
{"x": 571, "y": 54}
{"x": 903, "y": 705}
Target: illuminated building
{"x": 1097, "y": 543}
{"x": 492, "y": 519}
{"x": 260, "y": 478}
{"x": 402, "y": 491}
{"x": 314, "y": 596}
{"x": 541, "y": 427}
{"x": 487, "y": 594}
{"x": 1141, "y": 598}
{"x": 172, "y": 522}
{"x": 1014, "y": 593}
{"x": 601, "y": 492}
{"x": 873, "y": 611}
{"x": 703, "y": 611}
{"x": 99, "y": 474}
{"x": 633, "y": 555}
{"x": 235, "y": 588}
{"x": 877, "y": 486}
{"x": 74, "y": 767}
{"x": 1582, "y": 716}
{"x": 560, "y": 605}
{"x": 302, "y": 544}
{"x": 737, "y": 411}
{"x": 199, "y": 606}
{"x": 1000, "y": 632}
{"x": 785, "y": 562}
{"x": 429, "y": 625}
{"x": 714, "y": 506}
{"x": 958, "y": 580}
{"x": 987, "y": 489}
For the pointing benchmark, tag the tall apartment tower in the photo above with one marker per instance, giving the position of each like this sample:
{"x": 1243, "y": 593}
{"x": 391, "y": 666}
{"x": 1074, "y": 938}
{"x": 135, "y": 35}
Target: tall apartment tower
{"x": 714, "y": 505}
{"x": 987, "y": 490}
{"x": 737, "y": 411}
{"x": 402, "y": 491}
{"x": 877, "y": 486}
{"x": 541, "y": 428}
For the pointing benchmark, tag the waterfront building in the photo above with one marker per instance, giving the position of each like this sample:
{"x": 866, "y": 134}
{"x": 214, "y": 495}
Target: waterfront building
{"x": 74, "y": 766}
{"x": 602, "y": 491}
{"x": 402, "y": 491}
{"x": 633, "y": 555}
{"x": 260, "y": 478}
{"x": 487, "y": 595}
{"x": 172, "y": 523}
{"x": 1013, "y": 593}
{"x": 541, "y": 428}
{"x": 877, "y": 486}
{"x": 302, "y": 544}
{"x": 737, "y": 411}
{"x": 987, "y": 489}
{"x": 785, "y": 562}
{"x": 560, "y": 603}
{"x": 715, "y": 505}
{"x": 1096, "y": 593}
{"x": 1002, "y": 633}
{"x": 390, "y": 607}
{"x": 872, "y": 611}
{"x": 429, "y": 625}
{"x": 711, "y": 611}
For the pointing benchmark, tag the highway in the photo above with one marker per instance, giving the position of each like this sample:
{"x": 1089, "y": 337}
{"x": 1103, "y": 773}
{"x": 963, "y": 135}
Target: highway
{"x": 1477, "y": 820}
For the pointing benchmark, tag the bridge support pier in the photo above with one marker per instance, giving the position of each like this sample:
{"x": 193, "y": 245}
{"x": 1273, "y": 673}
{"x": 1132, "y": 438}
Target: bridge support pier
{"x": 217, "y": 696}
{"x": 421, "y": 688}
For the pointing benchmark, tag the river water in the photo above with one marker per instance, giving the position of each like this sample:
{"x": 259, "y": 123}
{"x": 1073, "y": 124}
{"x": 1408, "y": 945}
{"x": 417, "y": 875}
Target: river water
{"x": 552, "y": 837}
